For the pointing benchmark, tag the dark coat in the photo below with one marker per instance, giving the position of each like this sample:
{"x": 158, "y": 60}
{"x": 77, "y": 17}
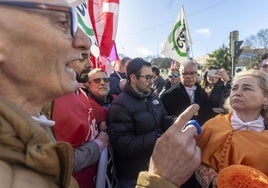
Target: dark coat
{"x": 114, "y": 82}
{"x": 135, "y": 121}
{"x": 176, "y": 100}
{"x": 218, "y": 95}
{"x": 158, "y": 85}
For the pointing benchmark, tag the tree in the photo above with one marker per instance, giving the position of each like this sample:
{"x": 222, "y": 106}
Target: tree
{"x": 220, "y": 58}
{"x": 254, "y": 47}
{"x": 161, "y": 63}
{"x": 262, "y": 36}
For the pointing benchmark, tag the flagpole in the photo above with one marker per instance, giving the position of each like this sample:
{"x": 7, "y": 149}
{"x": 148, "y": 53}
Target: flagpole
{"x": 188, "y": 33}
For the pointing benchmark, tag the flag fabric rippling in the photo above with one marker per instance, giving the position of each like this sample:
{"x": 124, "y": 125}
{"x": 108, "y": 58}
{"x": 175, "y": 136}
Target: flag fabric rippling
{"x": 178, "y": 43}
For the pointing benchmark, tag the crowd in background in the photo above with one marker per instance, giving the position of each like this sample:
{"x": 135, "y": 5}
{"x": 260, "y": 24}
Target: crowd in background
{"x": 135, "y": 105}
{"x": 74, "y": 125}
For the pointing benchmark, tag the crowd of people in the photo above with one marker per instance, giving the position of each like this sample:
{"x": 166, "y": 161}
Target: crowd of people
{"x": 84, "y": 128}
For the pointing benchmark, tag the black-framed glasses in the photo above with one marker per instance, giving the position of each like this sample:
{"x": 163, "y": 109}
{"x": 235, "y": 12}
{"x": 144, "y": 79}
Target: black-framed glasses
{"x": 189, "y": 73}
{"x": 147, "y": 77}
{"x": 43, "y": 6}
{"x": 98, "y": 80}
{"x": 173, "y": 75}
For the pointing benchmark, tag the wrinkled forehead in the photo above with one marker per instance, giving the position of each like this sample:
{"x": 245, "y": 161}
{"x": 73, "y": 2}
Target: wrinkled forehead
{"x": 188, "y": 67}
{"x": 265, "y": 61}
{"x": 98, "y": 74}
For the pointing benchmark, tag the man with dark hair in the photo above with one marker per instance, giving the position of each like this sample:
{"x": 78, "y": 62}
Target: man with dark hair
{"x": 28, "y": 156}
{"x": 118, "y": 77}
{"x": 136, "y": 119}
{"x": 75, "y": 123}
{"x": 264, "y": 62}
{"x": 159, "y": 82}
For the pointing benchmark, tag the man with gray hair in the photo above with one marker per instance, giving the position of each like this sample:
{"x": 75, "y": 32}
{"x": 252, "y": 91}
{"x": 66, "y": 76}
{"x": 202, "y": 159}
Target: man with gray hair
{"x": 42, "y": 50}
{"x": 187, "y": 92}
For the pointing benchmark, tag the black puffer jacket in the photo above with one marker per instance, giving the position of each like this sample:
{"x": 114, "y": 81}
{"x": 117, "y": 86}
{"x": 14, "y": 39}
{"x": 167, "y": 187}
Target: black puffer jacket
{"x": 134, "y": 124}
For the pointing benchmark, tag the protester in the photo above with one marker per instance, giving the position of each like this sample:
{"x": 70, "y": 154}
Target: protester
{"x": 172, "y": 80}
{"x": 136, "y": 118}
{"x": 100, "y": 100}
{"x": 264, "y": 62}
{"x": 118, "y": 78}
{"x": 241, "y": 136}
{"x": 158, "y": 82}
{"x": 187, "y": 92}
{"x": 175, "y": 155}
{"x": 75, "y": 123}
{"x": 217, "y": 85}
{"x": 99, "y": 94}
{"x": 29, "y": 158}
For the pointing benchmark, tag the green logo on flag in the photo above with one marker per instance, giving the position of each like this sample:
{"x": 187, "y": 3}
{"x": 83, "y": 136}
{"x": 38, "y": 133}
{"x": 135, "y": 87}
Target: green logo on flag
{"x": 178, "y": 38}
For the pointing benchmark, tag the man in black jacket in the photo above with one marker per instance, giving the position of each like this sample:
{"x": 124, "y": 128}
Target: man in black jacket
{"x": 187, "y": 92}
{"x": 134, "y": 121}
{"x": 118, "y": 77}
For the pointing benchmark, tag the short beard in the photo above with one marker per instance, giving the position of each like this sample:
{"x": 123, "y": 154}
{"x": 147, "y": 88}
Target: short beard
{"x": 83, "y": 76}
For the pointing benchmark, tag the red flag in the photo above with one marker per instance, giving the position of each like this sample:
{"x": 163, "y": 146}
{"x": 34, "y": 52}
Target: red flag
{"x": 113, "y": 54}
{"x": 104, "y": 19}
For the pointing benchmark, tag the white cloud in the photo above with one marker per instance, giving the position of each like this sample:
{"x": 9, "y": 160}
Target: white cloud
{"x": 204, "y": 31}
{"x": 144, "y": 51}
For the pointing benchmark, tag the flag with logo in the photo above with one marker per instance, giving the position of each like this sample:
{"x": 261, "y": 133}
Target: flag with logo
{"x": 85, "y": 24}
{"x": 178, "y": 43}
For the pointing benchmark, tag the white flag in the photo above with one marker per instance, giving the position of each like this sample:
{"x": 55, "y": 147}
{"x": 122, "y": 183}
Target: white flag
{"x": 177, "y": 46}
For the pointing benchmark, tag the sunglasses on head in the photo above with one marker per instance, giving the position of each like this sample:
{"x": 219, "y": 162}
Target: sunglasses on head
{"x": 173, "y": 75}
{"x": 72, "y": 21}
{"x": 98, "y": 80}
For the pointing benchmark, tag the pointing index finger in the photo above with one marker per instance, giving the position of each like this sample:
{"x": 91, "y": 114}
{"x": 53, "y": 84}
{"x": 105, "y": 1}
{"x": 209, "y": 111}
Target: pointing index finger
{"x": 184, "y": 117}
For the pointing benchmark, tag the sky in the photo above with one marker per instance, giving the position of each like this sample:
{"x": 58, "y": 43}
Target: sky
{"x": 144, "y": 25}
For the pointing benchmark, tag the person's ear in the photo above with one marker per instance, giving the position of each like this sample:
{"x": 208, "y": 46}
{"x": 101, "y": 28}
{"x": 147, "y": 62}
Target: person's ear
{"x": 265, "y": 104}
{"x": 2, "y": 53}
{"x": 133, "y": 78}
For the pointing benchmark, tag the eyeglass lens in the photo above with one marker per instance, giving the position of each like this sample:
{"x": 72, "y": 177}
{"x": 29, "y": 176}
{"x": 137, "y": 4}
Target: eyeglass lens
{"x": 98, "y": 80}
{"x": 188, "y": 73}
{"x": 74, "y": 21}
{"x": 44, "y": 6}
{"x": 147, "y": 77}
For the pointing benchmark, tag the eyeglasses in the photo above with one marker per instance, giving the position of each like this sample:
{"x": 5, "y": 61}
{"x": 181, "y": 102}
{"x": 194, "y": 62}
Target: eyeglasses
{"x": 73, "y": 21}
{"x": 265, "y": 66}
{"x": 173, "y": 75}
{"x": 98, "y": 80}
{"x": 147, "y": 77}
{"x": 189, "y": 73}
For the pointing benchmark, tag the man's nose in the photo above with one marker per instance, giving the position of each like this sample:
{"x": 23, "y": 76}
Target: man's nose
{"x": 82, "y": 41}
